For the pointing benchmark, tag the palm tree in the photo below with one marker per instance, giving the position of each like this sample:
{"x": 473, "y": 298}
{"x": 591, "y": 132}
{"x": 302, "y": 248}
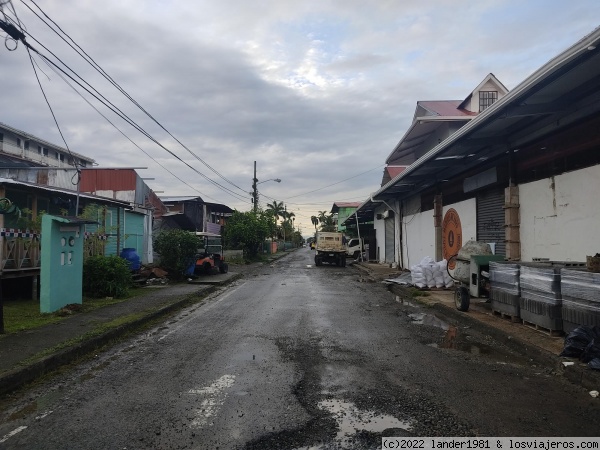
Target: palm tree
{"x": 322, "y": 216}
{"x": 277, "y": 209}
{"x": 315, "y": 221}
{"x": 326, "y": 221}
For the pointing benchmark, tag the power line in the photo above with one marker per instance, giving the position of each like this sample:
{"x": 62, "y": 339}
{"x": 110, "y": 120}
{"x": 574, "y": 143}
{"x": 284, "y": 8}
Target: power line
{"x": 127, "y": 137}
{"x": 338, "y": 182}
{"x": 116, "y": 110}
{"x": 98, "y": 68}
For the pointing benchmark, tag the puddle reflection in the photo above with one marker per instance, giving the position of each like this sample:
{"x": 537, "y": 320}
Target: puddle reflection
{"x": 428, "y": 319}
{"x": 404, "y": 301}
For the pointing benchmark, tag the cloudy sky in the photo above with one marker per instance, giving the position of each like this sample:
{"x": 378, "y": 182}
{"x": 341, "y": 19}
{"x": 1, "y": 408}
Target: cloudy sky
{"x": 317, "y": 92}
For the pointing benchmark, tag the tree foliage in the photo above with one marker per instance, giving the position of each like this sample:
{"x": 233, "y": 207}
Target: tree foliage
{"x": 248, "y": 230}
{"x": 177, "y": 250}
{"x": 326, "y": 221}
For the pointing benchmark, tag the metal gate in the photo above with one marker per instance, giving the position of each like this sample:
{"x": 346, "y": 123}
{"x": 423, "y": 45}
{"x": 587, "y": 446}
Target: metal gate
{"x": 390, "y": 243}
{"x": 490, "y": 219}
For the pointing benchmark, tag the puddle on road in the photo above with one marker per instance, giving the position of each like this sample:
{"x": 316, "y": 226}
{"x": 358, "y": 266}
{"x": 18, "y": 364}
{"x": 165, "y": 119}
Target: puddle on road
{"x": 39, "y": 406}
{"x": 404, "y": 301}
{"x": 453, "y": 341}
{"x": 428, "y": 319}
{"x": 308, "y": 266}
{"x": 350, "y": 419}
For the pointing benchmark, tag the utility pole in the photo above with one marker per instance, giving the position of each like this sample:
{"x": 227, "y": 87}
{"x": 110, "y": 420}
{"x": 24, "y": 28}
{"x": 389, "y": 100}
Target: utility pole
{"x": 255, "y": 190}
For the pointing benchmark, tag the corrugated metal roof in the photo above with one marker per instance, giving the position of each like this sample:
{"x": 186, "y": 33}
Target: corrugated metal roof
{"x": 15, "y": 163}
{"x": 62, "y": 191}
{"x": 531, "y": 111}
{"x": 337, "y": 205}
{"x": 179, "y": 199}
{"x": 108, "y": 179}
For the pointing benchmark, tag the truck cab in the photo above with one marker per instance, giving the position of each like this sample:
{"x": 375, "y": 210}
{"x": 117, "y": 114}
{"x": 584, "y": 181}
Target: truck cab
{"x": 355, "y": 247}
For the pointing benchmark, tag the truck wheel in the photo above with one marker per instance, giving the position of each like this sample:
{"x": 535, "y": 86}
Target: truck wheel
{"x": 356, "y": 254}
{"x": 343, "y": 261}
{"x": 206, "y": 267}
{"x": 462, "y": 298}
{"x": 317, "y": 261}
{"x": 224, "y": 268}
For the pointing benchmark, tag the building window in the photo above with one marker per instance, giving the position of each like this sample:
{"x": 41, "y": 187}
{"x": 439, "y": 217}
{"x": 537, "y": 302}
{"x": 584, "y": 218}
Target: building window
{"x": 60, "y": 157}
{"x": 26, "y": 145}
{"x": 45, "y": 151}
{"x": 39, "y": 149}
{"x": 1, "y": 137}
{"x": 487, "y": 99}
{"x": 19, "y": 142}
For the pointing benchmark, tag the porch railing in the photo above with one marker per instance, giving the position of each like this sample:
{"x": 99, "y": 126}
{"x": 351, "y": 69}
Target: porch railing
{"x": 20, "y": 250}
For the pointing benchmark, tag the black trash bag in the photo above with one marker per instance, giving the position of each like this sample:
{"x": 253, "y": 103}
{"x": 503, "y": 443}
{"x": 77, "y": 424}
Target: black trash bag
{"x": 594, "y": 364}
{"x": 578, "y": 340}
{"x": 591, "y": 352}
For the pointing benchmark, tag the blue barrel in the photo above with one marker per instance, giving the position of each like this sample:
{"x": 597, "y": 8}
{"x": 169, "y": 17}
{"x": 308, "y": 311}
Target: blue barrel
{"x": 131, "y": 256}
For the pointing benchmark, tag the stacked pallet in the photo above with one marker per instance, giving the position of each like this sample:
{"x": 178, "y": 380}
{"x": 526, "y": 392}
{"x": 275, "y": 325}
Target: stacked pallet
{"x": 540, "y": 304}
{"x": 505, "y": 289}
{"x": 581, "y": 298}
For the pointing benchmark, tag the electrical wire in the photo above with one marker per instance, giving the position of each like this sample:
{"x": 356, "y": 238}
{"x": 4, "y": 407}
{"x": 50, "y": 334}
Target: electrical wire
{"x": 338, "y": 182}
{"x": 98, "y": 68}
{"x": 126, "y": 137}
{"x": 99, "y": 97}
{"x": 119, "y": 113}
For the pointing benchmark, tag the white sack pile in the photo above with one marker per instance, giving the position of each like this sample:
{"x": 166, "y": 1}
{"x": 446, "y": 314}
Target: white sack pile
{"x": 429, "y": 273}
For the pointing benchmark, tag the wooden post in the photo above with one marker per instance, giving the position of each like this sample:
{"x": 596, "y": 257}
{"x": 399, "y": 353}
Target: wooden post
{"x": 437, "y": 224}
{"x": 512, "y": 220}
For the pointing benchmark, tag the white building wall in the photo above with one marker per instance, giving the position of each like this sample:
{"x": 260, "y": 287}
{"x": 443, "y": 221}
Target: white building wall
{"x": 418, "y": 233}
{"x": 560, "y": 216}
{"x": 418, "y": 238}
{"x": 379, "y": 225}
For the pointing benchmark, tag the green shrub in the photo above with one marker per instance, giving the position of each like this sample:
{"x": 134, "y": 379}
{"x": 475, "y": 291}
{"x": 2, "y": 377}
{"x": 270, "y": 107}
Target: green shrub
{"x": 177, "y": 250}
{"x": 106, "y": 276}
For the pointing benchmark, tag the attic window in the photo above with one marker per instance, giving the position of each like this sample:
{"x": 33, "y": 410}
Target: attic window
{"x": 486, "y": 99}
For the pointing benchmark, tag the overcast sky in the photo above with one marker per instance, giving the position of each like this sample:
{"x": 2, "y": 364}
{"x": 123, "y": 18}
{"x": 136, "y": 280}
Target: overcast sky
{"x": 318, "y": 93}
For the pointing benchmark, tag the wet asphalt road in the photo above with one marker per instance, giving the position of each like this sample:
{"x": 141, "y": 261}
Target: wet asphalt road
{"x": 297, "y": 357}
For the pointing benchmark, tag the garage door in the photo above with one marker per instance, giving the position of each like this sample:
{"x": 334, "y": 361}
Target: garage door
{"x": 490, "y": 219}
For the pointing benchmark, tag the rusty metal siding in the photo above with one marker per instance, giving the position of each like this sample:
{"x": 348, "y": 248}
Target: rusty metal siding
{"x": 108, "y": 179}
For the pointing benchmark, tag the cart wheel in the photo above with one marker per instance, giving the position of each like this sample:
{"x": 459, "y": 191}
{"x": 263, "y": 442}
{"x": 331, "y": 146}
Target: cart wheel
{"x": 462, "y": 298}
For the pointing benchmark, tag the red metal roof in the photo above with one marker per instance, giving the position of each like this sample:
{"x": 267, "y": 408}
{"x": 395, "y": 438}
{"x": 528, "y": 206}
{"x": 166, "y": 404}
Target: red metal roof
{"x": 393, "y": 171}
{"x": 347, "y": 204}
{"x": 446, "y": 108}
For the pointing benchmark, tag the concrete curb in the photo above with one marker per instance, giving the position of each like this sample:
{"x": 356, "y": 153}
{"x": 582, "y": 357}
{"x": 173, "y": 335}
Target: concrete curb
{"x": 18, "y": 377}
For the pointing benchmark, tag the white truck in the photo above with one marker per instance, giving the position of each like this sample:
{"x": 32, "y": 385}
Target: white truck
{"x": 355, "y": 247}
{"x": 330, "y": 248}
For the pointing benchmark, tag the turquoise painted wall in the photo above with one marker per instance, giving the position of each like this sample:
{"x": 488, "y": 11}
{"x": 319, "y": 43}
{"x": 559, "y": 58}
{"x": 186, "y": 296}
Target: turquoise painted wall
{"x": 134, "y": 231}
{"x": 61, "y": 273}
